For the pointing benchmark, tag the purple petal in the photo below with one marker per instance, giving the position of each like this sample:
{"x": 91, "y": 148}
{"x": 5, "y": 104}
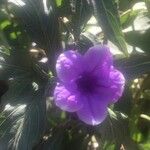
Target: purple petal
{"x": 113, "y": 88}
{"x": 117, "y": 83}
{"x": 68, "y": 65}
{"x": 98, "y": 60}
{"x": 94, "y": 110}
{"x": 65, "y": 99}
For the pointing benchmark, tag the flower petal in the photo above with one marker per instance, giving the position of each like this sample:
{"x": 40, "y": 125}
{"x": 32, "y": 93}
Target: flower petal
{"x": 65, "y": 99}
{"x": 68, "y": 65}
{"x": 98, "y": 59}
{"x": 113, "y": 88}
{"x": 94, "y": 110}
{"x": 117, "y": 83}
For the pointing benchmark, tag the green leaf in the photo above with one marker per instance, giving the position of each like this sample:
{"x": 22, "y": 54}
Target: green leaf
{"x": 115, "y": 129}
{"x": 148, "y": 5}
{"x": 58, "y": 2}
{"x": 128, "y": 17}
{"x": 108, "y": 18}
{"x": 24, "y": 108}
{"x": 125, "y": 104}
{"x": 12, "y": 45}
{"x": 81, "y": 14}
{"x": 4, "y": 45}
{"x": 134, "y": 66}
{"x": 78, "y": 12}
{"x": 139, "y": 34}
{"x": 125, "y": 4}
{"x": 40, "y": 20}
{"x": 32, "y": 124}
{"x": 8, "y": 127}
{"x": 139, "y": 39}
{"x": 55, "y": 142}
{"x": 19, "y": 80}
{"x": 24, "y": 125}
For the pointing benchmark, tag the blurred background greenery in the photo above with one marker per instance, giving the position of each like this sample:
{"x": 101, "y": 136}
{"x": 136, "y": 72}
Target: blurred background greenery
{"x": 32, "y": 35}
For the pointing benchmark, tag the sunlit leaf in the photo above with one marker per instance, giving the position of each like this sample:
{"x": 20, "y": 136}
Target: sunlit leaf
{"x": 32, "y": 124}
{"x": 24, "y": 124}
{"x": 108, "y": 18}
{"x": 40, "y": 21}
{"x": 58, "y": 2}
{"x": 128, "y": 17}
{"x": 134, "y": 66}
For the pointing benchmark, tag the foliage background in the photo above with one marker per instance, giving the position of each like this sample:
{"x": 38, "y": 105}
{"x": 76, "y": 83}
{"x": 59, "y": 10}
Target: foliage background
{"x": 29, "y": 119}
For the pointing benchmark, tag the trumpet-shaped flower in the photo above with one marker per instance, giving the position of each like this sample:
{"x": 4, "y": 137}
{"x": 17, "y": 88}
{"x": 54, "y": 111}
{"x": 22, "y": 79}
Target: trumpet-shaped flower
{"x": 88, "y": 83}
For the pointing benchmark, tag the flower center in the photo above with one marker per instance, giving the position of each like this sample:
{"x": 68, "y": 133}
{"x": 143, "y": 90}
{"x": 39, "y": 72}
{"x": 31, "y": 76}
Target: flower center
{"x": 86, "y": 83}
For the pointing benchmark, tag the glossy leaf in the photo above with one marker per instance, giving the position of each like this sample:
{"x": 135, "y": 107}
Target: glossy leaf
{"x": 78, "y": 12}
{"x": 24, "y": 107}
{"x": 139, "y": 39}
{"x": 8, "y": 127}
{"x": 108, "y": 18}
{"x": 138, "y": 34}
{"x": 134, "y": 66}
{"x": 40, "y": 22}
{"x": 80, "y": 15}
{"x": 32, "y": 125}
{"x": 24, "y": 124}
{"x": 115, "y": 129}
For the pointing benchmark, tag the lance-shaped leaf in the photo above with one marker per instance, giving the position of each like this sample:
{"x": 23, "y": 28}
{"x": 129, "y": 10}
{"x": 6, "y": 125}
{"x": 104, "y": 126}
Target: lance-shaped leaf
{"x": 12, "y": 116}
{"x": 115, "y": 129}
{"x": 39, "y": 18}
{"x": 23, "y": 115}
{"x": 24, "y": 124}
{"x": 134, "y": 66}
{"x": 4, "y": 46}
{"x": 138, "y": 36}
{"x": 32, "y": 125}
{"x": 148, "y": 4}
{"x": 80, "y": 15}
{"x": 78, "y": 12}
{"x": 108, "y": 18}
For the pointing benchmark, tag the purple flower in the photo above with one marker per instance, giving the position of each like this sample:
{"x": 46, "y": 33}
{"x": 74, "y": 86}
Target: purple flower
{"x": 88, "y": 83}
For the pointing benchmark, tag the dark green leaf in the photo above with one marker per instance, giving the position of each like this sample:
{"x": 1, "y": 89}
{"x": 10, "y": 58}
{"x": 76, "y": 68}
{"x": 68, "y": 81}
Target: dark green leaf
{"x": 4, "y": 45}
{"x": 78, "y": 12}
{"x": 81, "y": 13}
{"x": 24, "y": 108}
{"x": 139, "y": 34}
{"x": 115, "y": 129}
{"x": 148, "y": 4}
{"x": 109, "y": 128}
{"x": 40, "y": 21}
{"x": 126, "y": 4}
{"x": 125, "y": 104}
{"x": 24, "y": 125}
{"x": 10, "y": 124}
{"x": 32, "y": 124}
{"x": 139, "y": 39}
{"x": 55, "y": 142}
{"x": 107, "y": 16}
{"x": 134, "y": 66}
{"x": 11, "y": 44}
